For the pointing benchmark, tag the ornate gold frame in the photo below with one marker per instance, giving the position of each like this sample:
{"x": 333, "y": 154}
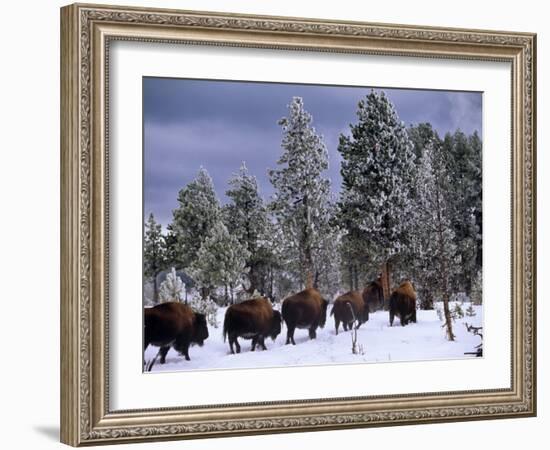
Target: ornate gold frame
{"x": 86, "y": 31}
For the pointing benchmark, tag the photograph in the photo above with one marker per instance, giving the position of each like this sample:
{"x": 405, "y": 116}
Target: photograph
{"x": 294, "y": 225}
{"x": 278, "y": 223}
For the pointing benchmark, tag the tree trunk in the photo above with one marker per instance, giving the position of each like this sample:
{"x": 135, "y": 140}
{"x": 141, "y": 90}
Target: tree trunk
{"x": 445, "y": 289}
{"x": 309, "y": 280}
{"x": 155, "y": 290}
{"x": 386, "y": 284}
{"x": 350, "y": 273}
{"x": 444, "y": 270}
{"x": 448, "y": 318}
{"x": 271, "y": 283}
{"x": 308, "y": 254}
{"x": 252, "y": 278}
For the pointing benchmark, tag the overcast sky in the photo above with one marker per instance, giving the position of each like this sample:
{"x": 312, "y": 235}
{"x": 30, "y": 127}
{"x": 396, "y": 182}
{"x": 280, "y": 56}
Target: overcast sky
{"x": 220, "y": 124}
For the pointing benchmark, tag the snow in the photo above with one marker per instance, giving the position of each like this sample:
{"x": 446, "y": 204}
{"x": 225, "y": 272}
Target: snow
{"x": 424, "y": 340}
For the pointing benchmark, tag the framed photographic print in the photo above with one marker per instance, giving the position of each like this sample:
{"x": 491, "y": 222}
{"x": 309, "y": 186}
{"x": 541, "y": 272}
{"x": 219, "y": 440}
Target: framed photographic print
{"x": 300, "y": 209}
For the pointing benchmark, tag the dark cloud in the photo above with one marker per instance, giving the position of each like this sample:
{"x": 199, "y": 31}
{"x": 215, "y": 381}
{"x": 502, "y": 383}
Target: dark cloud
{"x": 219, "y": 124}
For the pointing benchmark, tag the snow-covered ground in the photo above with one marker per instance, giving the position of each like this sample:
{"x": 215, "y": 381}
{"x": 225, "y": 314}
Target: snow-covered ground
{"x": 424, "y": 340}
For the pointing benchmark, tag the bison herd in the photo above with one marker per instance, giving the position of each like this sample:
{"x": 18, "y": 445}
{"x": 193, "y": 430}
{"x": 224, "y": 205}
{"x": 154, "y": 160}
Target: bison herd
{"x": 176, "y": 325}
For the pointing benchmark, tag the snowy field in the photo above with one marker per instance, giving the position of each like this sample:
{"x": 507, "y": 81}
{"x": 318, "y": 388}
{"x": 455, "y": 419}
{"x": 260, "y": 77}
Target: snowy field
{"x": 424, "y": 340}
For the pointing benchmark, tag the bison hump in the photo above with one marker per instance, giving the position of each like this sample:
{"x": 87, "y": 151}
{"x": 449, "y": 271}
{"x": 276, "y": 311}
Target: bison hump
{"x": 406, "y": 289}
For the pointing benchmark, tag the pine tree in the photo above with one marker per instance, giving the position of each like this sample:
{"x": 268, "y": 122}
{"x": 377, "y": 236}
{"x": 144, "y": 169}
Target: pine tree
{"x": 197, "y": 213}
{"x": 220, "y": 262}
{"x": 457, "y": 312}
{"x": 171, "y": 247}
{"x": 420, "y": 135}
{"x": 172, "y": 288}
{"x": 153, "y": 253}
{"x": 476, "y": 193}
{"x": 247, "y": 219}
{"x": 377, "y": 174}
{"x": 433, "y": 242}
{"x": 302, "y": 191}
{"x": 463, "y": 159}
{"x": 327, "y": 274}
{"x": 477, "y": 288}
{"x": 207, "y": 307}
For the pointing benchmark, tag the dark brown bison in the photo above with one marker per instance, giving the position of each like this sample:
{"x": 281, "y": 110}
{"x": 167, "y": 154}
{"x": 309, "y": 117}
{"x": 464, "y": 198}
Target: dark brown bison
{"x": 373, "y": 296}
{"x": 173, "y": 324}
{"x": 349, "y": 308}
{"x": 252, "y": 319}
{"x": 306, "y": 309}
{"x": 402, "y": 303}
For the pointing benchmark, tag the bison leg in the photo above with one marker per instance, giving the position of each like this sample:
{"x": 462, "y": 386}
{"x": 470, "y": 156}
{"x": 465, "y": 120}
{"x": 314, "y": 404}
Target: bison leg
{"x": 262, "y": 342}
{"x": 336, "y": 325}
{"x": 162, "y": 352}
{"x": 254, "y": 342}
{"x": 312, "y": 333}
{"x": 359, "y": 323}
{"x": 391, "y": 318}
{"x": 345, "y": 325}
{"x": 233, "y": 340}
{"x": 290, "y": 334}
{"x": 186, "y": 352}
{"x": 414, "y": 316}
{"x": 182, "y": 346}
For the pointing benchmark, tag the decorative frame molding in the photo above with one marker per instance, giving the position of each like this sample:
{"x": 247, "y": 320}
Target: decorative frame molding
{"x": 86, "y": 31}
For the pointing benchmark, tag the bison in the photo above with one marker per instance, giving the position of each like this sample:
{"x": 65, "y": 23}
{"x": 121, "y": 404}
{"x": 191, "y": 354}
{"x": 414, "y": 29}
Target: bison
{"x": 373, "y": 296}
{"x": 173, "y": 324}
{"x": 306, "y": 309}
{"x": 403, "y": 303}
{"x": 349, "y": 308}
{"x": 252, "y": 319}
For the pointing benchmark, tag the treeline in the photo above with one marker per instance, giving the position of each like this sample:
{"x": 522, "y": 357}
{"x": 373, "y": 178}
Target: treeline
{"x": 409, "y": 206}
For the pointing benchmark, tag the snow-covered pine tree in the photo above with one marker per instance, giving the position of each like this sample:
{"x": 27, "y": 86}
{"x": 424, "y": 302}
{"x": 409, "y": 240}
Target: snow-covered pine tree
{"x": 420, "y": 135}
{"x": 302, "y": 192}
{"x": 377, "y": 175}
{"x": 277, "y": 263}
{"x": 153, "y": 253}
{"x": 477, "y": 289}
{"x": 420, "y": 266}
{"x": 327, "y": 273}
{"x": 220, "y": 262}
{"x": 433, "y": 241}
{"x": 198, "y": 211}
{"x": 457, "y": 312}
{"x": 463, "y": 161}
{"x": 206, "y": 306}
{"x": 171, "y": 248}
{"x": 476, "y": 194}
{"x": 247, "y": 219}
{"x": 172, "y": 289}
